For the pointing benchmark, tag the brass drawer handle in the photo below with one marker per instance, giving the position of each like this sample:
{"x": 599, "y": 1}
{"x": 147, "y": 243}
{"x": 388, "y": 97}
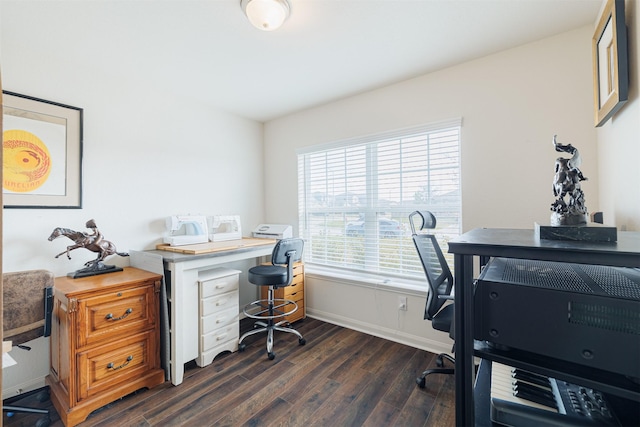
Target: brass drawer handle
{"x": 115, "y": 368}
{"x": 126, "y": 313}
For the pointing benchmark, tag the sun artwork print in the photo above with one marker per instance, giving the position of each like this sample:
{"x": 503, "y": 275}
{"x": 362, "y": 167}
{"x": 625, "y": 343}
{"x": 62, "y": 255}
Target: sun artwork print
{"x": 26, "y": 161}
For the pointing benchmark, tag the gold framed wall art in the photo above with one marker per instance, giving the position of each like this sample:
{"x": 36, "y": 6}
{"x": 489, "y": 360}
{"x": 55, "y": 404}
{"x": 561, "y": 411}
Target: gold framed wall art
{"x": 42, "y": 153}
{"x": 610, "y": 62}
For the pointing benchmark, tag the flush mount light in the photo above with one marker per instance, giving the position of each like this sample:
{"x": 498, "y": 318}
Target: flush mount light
{"x": 266, "y": 15}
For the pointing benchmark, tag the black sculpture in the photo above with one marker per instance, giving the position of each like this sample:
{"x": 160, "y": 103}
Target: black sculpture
{"x": 93, "y": 242}
{"x": 566, "y": 183}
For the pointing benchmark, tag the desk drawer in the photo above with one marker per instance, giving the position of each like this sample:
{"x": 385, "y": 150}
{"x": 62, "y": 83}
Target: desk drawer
{"x": 219, "y": 337}
{"x": 218, "y": 281}
{"x": 219, "y": 320}
{"x": 218, "y": 303}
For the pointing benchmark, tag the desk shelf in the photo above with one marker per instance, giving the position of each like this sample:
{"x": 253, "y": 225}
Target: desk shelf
{"x": 626, "y": 410}
{"x": 606, "y": 382}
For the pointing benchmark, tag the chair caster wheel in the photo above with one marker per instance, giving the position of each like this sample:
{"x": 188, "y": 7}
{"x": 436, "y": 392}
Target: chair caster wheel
{"x": 421, "y": 382}
{"x": 242, "y": 348}
{"x": 302, "y": 341}
{"x": 439, "y": 362}
{"x": 43, "y": 396}
{"x": 271, "y": 356}
{"x": 43, "y": 422}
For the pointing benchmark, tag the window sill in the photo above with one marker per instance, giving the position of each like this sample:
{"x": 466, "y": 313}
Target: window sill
{"x": 373, "y": 281}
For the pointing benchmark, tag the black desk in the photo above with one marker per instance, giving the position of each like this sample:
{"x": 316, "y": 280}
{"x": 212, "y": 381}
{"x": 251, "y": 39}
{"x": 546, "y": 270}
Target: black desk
{"x": 512, "y": 243}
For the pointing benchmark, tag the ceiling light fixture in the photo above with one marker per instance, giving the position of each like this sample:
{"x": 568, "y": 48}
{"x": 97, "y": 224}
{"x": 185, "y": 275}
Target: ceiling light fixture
{"x": 266, "y": 15}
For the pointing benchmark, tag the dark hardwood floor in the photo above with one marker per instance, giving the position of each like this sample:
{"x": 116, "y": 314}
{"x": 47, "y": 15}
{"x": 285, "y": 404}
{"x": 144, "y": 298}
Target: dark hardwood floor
{"x": 341, "y": 377}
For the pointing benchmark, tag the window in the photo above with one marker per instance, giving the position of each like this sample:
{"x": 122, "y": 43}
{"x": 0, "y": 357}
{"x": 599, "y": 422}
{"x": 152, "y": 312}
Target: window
{"x": 355, "y": 197}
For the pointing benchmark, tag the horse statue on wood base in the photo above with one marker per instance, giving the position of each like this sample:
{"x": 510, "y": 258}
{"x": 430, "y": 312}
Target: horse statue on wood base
{"x": 93, "y": 242}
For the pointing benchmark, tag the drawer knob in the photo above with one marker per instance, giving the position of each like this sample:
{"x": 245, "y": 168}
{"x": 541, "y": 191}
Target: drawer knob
{"x": 126, "y": 313}
{"x": 115, "y": 368}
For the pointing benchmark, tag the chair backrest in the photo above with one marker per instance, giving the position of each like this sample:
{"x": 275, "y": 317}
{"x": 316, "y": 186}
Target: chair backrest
{"x": 27, "y": 300}
{"x": 286, "y": 253}
{"x": 436, "y": 269}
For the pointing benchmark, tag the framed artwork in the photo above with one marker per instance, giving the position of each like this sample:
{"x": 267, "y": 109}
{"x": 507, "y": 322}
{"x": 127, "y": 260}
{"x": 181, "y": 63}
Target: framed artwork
{"x": 610, "y": 62}
{"x": 42, "y": 153}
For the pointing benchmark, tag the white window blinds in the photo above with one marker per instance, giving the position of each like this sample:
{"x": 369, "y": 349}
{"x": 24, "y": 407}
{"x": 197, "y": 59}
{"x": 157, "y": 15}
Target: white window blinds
{"x": 355, "y": 197}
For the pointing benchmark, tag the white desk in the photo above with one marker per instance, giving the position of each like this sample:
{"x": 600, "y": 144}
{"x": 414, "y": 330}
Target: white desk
{"x": 181, "y": 276}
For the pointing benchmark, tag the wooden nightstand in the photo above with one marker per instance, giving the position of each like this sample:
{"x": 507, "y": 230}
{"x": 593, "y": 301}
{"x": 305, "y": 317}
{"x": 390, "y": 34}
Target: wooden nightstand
{"x": 105, "y": 340}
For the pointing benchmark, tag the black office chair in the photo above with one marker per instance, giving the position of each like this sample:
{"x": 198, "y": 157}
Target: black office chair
{"x": 268, "y": 311}
{"x": 440, "y": 282}
{"x": 27, "y": 307}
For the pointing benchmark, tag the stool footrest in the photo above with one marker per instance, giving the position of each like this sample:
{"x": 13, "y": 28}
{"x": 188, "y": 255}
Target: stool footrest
{"x": 265, "y": 309}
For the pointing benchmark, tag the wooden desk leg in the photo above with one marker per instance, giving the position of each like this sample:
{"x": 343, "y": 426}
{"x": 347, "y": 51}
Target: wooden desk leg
{"x": 464, "y": 372}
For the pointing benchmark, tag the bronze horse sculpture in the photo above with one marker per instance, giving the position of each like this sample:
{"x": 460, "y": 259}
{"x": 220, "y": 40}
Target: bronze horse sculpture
{"x": 93, "y": 242}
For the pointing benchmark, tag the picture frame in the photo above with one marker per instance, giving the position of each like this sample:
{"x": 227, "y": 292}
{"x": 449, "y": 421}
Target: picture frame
{"x": 42, "y": 153}
{"x": 610, "y": 62}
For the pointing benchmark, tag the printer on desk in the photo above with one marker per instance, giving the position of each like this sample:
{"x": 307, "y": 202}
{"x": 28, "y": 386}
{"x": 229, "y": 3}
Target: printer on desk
{"x": 273, "y": 231}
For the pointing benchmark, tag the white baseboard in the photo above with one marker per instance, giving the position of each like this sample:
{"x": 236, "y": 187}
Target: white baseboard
{"x": 15, "y": 390}
{"x": 422, "y": 343}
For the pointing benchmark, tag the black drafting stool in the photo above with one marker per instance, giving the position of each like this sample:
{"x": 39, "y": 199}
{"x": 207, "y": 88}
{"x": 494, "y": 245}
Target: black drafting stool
{"x": 27, "y": 307}
{"x": 268, "y": 311}
{"x": 440, "y": 282}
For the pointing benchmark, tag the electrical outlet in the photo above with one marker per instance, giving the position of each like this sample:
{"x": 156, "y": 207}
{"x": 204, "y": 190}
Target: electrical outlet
{"x": 402, "y": 303}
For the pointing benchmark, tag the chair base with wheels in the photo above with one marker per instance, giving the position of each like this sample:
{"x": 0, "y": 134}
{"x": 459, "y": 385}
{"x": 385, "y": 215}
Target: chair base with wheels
{"x": 267, "y": 312}
{"x": 421, "y": 380}
{"x": 270, "y": 312}
{"x": 40, "y": 394}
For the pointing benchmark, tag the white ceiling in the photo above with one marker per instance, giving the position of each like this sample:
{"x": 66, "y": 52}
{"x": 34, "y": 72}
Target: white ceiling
{"x": 327, "y": 50}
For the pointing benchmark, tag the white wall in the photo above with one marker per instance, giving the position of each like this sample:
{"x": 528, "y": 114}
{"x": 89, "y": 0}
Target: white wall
{"x": 619, "y": 144}
{"x": 147, "y": 155}
{"x": 512, "y": 103}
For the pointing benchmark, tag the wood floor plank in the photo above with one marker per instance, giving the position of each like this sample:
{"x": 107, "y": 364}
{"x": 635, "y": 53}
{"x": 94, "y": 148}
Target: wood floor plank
{"x": 308, "y": 404}
{"x": 334, "y": 410}
{"x": 359, "y": 356}
{"x": 323, "y": 362}
{"x": 443, "y": 413}
{"x": 405, "y": 383}
{"x": 383, "y": 414}
{"x": 268, "y": 413}
{"x": 340, "y": 377}
{"x": 366, "y": 401}
{"x": 231, "y": 403}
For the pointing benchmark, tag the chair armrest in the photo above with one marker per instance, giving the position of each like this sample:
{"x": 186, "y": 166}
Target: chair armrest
{"x": 450, "y": 297}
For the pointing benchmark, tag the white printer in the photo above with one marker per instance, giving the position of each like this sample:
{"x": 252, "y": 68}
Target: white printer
{"x": 273, "y": 231}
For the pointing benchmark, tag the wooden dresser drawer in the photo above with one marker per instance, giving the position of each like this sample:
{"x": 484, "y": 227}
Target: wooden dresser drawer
{"x": 299, "y": 314}
{"x": 101, "y": 368}
{"x": 113, "y": 314}
{"x": 293, "y": 289}
{"x": 297, "y": 278}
